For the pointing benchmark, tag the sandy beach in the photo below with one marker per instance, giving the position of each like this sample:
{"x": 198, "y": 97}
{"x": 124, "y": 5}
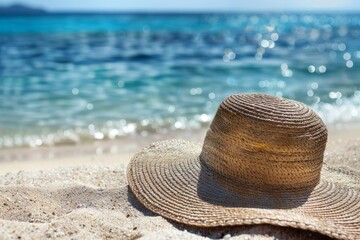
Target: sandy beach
{"x": 80, "y": 192}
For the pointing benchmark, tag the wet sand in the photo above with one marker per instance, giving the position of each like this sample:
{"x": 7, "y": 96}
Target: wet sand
{"x": 80, "y": 192}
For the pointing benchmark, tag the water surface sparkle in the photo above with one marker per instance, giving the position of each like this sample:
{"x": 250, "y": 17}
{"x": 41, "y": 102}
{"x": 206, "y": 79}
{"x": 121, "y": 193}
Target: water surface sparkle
{"x": 71, "y": 78}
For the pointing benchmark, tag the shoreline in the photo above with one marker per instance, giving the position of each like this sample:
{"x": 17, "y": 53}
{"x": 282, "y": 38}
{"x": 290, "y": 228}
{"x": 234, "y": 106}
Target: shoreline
{"x": 101, "y": 153}
{"x": 112, "y": 152}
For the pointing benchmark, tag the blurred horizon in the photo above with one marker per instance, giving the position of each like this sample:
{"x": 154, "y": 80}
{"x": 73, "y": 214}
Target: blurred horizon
{"x": 194, "y": 6}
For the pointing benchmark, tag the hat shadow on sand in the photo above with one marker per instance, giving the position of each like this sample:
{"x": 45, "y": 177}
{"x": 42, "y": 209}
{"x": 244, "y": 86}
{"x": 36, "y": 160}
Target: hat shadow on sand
{"x": 136, "y": 204}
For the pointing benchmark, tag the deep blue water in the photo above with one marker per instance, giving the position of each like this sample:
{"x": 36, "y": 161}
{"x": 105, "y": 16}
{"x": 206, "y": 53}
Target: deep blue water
{"x": 68, "y": 78}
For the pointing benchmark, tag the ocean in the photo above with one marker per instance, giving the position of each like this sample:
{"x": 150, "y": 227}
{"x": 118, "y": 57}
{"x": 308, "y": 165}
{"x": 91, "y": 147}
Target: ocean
{"x": 71, "y": 78}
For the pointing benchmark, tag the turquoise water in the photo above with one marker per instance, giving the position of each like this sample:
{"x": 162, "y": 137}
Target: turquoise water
{"x": 73, "y": 78}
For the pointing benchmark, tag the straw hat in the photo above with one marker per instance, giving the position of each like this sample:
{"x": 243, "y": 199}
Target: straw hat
{"x": 261, "y": 163}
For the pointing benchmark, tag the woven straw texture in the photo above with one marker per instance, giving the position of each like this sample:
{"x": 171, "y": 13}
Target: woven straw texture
{"x": 261, "y": 163}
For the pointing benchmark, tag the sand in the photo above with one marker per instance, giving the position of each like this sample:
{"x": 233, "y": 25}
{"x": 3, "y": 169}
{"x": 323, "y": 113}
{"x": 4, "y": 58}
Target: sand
{"x": 81, "y": 193}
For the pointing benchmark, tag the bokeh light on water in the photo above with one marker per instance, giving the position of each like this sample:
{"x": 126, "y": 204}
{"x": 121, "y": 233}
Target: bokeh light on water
{"x": 73, "y": 78}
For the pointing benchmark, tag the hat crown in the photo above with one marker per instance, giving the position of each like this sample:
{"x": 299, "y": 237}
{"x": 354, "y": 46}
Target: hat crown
{"x": 266, "y": 142}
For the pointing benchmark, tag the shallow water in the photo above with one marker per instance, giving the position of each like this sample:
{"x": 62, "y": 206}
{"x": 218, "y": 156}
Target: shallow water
{"x": 72, "y": 78}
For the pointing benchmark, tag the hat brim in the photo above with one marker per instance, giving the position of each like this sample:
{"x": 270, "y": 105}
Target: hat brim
{"x": 169, "y": 179}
